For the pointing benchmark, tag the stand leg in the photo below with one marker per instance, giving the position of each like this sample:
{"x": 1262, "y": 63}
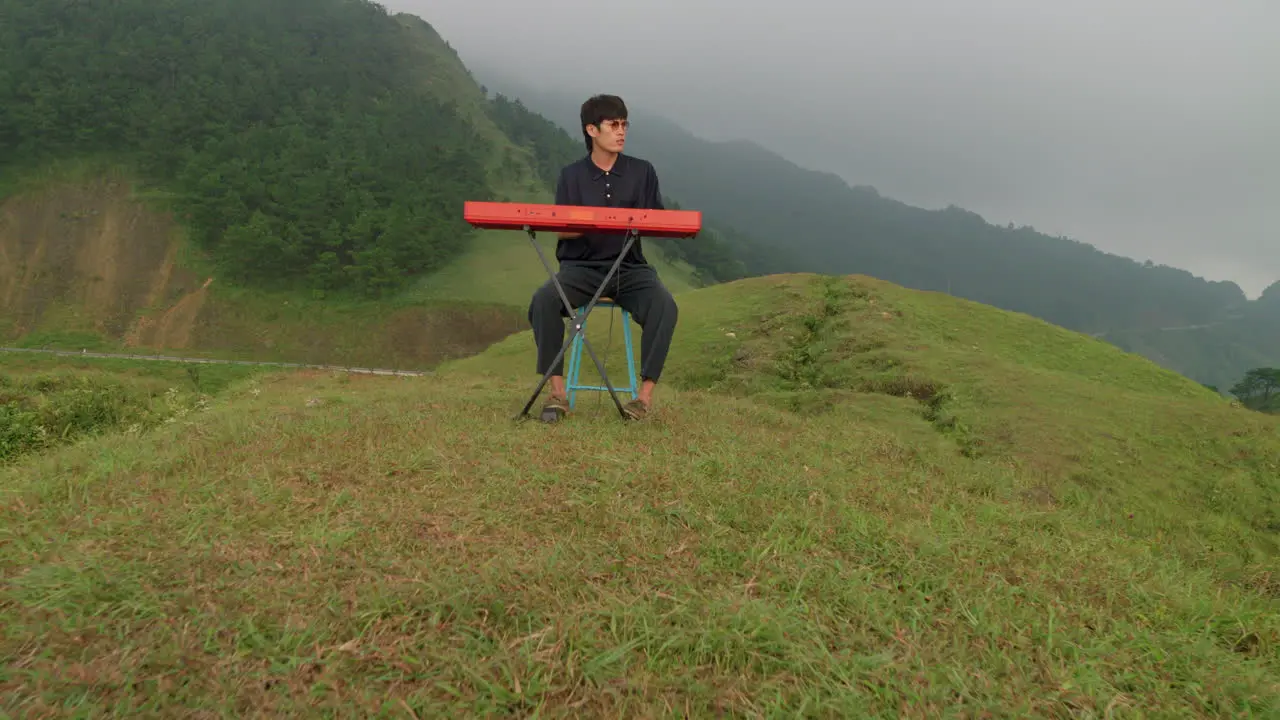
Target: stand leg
{"x": 631, "y": 360}
{"x": 578, "y": 322}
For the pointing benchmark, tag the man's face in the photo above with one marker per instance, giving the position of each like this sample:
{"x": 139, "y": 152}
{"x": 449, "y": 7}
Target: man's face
{"x": 611, "y": 135}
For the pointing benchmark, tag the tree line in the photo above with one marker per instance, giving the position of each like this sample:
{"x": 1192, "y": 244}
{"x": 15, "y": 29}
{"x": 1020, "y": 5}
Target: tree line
{"x": 291, "y": 134}
{"x": 1259, "y": 390}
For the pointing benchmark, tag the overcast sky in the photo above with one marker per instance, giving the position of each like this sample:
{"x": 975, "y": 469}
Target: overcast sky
{"x": 1150, "y": 128}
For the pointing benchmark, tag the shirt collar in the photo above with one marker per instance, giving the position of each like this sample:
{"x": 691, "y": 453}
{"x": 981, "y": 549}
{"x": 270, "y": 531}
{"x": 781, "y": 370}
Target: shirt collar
{"x": 619, "y": 167}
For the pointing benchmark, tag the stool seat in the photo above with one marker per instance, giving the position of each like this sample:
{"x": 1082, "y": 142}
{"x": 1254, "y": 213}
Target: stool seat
{"x": 572, "y": 386}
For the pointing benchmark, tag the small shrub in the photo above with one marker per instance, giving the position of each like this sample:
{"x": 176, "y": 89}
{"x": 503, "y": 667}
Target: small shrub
{"x": 42, "y": 412}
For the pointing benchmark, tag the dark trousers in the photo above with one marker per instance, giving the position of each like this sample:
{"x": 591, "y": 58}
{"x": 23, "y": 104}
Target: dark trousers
{"x": 635, "y": 288}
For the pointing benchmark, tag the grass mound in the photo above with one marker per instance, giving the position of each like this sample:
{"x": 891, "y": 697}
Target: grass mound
{"x": 853, "y": 500}
{"x": 46, "y": 403}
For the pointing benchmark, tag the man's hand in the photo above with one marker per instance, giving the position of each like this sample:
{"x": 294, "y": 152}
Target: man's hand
{"x": 569, "y": 235}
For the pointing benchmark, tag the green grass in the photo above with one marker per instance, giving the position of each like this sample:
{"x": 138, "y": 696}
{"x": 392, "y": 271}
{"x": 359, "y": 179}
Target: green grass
{"x": 66, "y": 339}
{"x": 258, "y": 326}
{"x": 35, "y": 177}
{"x": 852, "y": 500}
{"x": 208, "y": 379}
{"x": 402, "y": 332}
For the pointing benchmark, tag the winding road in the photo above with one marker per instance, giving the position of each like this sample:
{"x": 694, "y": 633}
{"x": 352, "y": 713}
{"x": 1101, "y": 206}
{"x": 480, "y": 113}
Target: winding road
{"x": 1201, "y": 326}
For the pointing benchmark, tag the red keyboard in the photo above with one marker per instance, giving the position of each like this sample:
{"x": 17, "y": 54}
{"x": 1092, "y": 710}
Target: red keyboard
{"x": 575, "y": 218}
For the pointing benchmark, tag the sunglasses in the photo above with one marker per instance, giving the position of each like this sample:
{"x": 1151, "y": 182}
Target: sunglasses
{"x": 615, "y": 125}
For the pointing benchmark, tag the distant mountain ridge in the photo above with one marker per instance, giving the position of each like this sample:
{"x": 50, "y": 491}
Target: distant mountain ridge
{"x": 813, "y": 221}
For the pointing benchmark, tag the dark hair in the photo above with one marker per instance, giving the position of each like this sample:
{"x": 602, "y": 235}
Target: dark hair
{"x": 599, "y": 108}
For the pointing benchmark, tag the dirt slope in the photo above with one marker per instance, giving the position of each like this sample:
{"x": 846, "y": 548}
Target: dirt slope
{"x": 85, "y": 257}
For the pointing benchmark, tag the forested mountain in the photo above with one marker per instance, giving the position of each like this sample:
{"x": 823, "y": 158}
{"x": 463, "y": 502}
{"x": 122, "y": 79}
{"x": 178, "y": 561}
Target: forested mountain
{"x": 307, "y": 144}
{"x": 815, "y": 222}
{"x": 294, "y": 133}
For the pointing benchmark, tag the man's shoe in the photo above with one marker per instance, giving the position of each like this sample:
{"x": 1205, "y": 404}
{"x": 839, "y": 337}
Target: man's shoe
{"x": 636, "y": 410}
{"x": 555, "y": 409}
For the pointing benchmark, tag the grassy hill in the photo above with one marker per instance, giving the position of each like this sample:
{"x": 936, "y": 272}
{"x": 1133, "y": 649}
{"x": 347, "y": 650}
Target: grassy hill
{"x": 854, "y": 499}
{"x": 268, "y": 181}
{"x": 812, "y": 221}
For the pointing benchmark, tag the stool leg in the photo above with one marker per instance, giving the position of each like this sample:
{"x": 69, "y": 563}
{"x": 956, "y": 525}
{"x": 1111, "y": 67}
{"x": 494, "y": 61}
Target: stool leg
{"x": 631, "y": 360}
{"x": 575, "y": 365}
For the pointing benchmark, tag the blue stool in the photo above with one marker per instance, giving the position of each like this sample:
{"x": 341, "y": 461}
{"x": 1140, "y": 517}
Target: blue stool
{"x": 575, "y": 358}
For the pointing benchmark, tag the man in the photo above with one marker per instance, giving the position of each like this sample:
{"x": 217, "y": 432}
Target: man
{"x": 605, "y": 177}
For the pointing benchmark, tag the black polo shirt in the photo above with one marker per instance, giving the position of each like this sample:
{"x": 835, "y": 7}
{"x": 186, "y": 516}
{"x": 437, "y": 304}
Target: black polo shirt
{"x": 631, "y": 183}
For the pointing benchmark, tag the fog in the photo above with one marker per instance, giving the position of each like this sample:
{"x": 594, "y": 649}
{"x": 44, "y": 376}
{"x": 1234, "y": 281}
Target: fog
{"x": 1145, "y": 127}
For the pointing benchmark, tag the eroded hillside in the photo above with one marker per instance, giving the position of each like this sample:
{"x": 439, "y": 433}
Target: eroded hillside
{"x": 89, "y": 260}
{"x": 86, "y": 256}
